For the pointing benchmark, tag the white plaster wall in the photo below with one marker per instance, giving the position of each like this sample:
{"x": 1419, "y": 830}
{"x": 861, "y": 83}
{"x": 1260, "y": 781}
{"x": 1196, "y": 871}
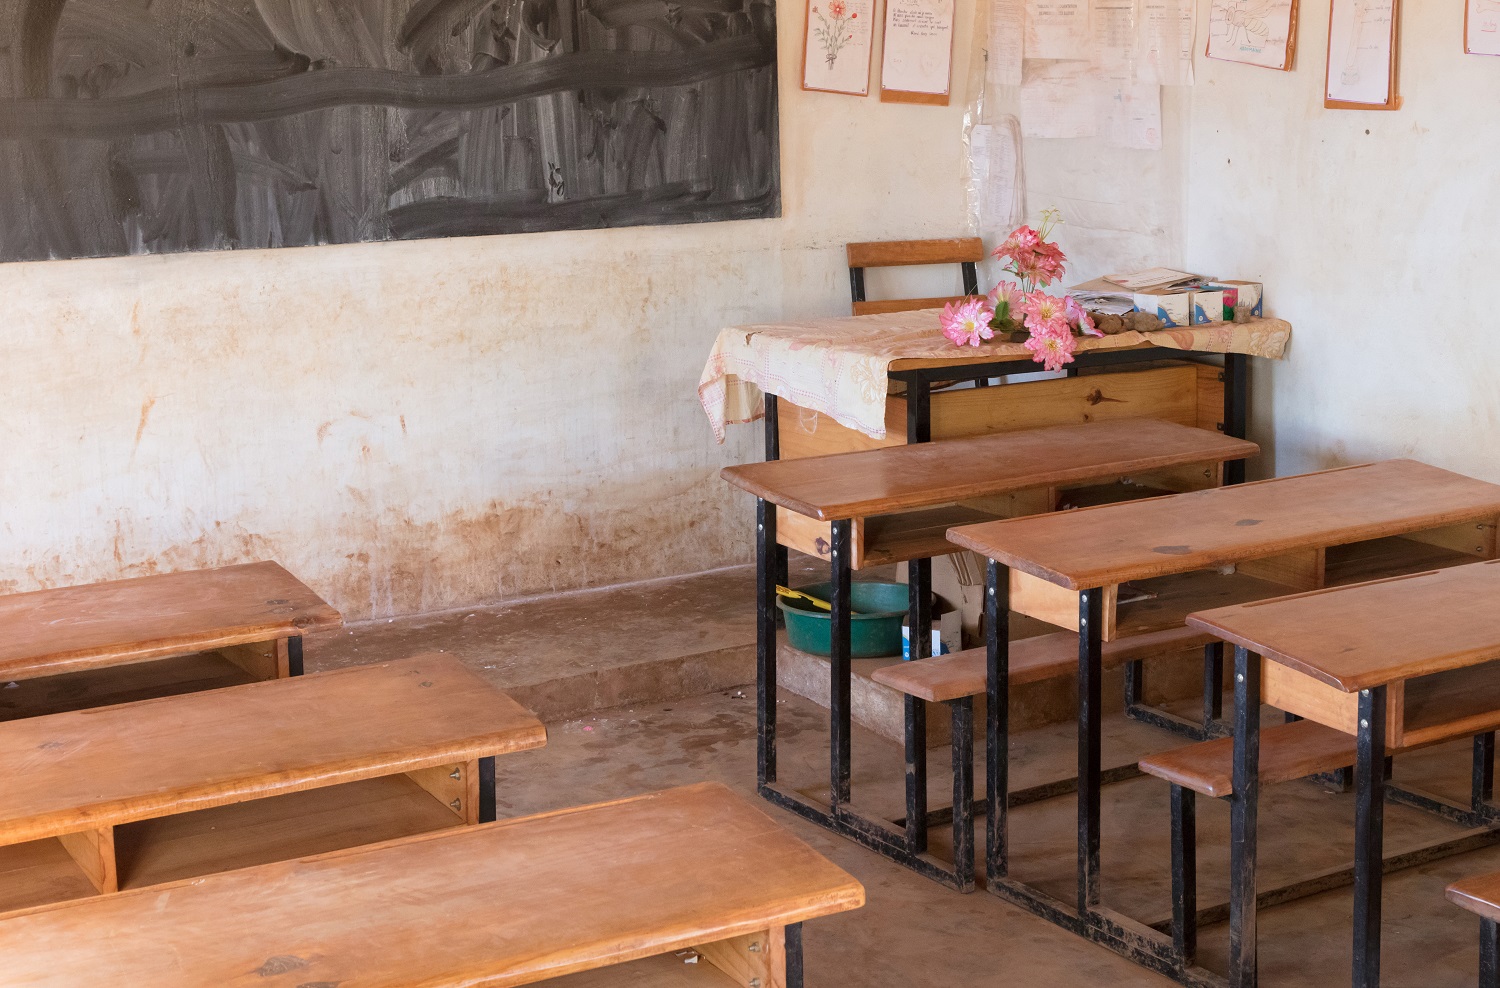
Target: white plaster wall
{"x": 1373, "y": 232}
{"x": 410, "y": 427}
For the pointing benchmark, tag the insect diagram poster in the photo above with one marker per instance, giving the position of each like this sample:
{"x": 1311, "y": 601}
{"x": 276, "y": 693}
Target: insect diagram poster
{"x": 836, "y": 57}
{"x": 1482, "y": 27}
{"x": 1256, "y": 32}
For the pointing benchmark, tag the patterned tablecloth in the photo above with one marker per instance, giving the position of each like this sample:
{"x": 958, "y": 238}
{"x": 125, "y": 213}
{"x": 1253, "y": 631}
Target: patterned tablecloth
{"x": 838, "y": 366}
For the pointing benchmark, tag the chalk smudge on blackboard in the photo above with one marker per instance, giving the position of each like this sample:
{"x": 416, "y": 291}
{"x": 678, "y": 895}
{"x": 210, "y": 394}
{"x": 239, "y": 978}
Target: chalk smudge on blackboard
{"x": 143, "y": 126}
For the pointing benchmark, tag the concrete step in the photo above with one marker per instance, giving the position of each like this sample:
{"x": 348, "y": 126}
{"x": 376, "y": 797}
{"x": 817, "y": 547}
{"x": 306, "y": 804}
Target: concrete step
{"x": 566, "y": 655}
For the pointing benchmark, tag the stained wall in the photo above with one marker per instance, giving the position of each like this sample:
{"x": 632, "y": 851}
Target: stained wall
{"x": 411, "y": 427}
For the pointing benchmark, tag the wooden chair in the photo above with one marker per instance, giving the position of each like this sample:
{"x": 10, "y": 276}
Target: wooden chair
{"x": 964, "y": 251}
{"x": 145, "y": 793}
{"x": 597, "y": 896}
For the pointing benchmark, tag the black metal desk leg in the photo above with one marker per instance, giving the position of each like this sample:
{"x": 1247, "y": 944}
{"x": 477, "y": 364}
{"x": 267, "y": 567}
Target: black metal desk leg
{"x": 1185, "y": 875}
{"x": 793, "y": 940}
{"x": 1135, "y": 684}
{"x": 773, "y": 452}
{"x": 1489, "y": 954}
{"x": 963, "y": 790}
{"x": 1483, "y": 784}
{"x": 765, "y": 640}
{"x": 997, "y": 719}
{"x": 919, "y": 410}
{"x": 1090, "y": 742}
{"x": 916, "y": 774}
{"x": 839, "y": 692}
{"x": 1242, "y": 820}
{"x": 919, "y": 644}
{"x": 1369, "y": 821}
{"x": 1236, "y": 409}
{"x": 487, "y": 789}
{"x": 1213, "y": 684}
{"x": 294, "y": 663}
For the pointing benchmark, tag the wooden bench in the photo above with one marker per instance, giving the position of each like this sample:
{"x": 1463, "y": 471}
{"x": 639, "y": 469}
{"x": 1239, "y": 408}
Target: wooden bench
{"x": 583, "y": 898}
{"x": 901, "y": 488}
{"x": 143, "y": 793}
{"x": 1289, "y": 751}
{"x": 74, "y": 647}
{"x": 1480, "y": 895}
{"x": 946, "y": 678}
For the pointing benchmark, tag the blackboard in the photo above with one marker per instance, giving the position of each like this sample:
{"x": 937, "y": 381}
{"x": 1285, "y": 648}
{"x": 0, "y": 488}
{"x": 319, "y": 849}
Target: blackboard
{"x": 144, "y": 126}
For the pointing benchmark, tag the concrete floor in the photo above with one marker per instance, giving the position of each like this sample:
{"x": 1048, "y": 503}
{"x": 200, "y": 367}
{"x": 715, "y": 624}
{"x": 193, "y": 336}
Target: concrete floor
{"x": 915, "y": 933}
{"x": 653, "y": 644}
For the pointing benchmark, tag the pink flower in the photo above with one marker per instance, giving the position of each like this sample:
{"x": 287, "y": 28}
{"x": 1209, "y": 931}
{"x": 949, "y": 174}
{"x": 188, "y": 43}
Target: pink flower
{"x": 1079, "y": 317}
{"x": 967, "y": 322}
{"x": 1006, "y": 300}
{"x": 1046, "y": 315}
{"x": 1008, "y": 292}
{"x": 1022, "y": 240}
{"x": 1050, "y": 350}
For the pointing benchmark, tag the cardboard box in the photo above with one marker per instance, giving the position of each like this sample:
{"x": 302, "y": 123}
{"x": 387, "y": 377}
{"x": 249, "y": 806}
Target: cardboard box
{"x": 947, "y": 634}
{"x": 1208, "y": 307}
{"x": 1172, "y": 308}
{"x": 1247, "y": 293}
{"x": 959, "y": 579}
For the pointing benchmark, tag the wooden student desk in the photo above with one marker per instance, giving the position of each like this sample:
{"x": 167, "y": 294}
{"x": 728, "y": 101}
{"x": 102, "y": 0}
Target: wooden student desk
{"x": 1288, "y": 521}
{"x": 216, "y": 627}
{"x": 1399, "y": 664}
{"x": 852, "y": 490}
{"x": 143, "y": 793}
{"x": 594, "y": 897}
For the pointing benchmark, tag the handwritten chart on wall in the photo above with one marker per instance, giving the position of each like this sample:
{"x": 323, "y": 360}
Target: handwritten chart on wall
{"x": 1362, "y": 55}
{"x": 917, "y": 63}
{"x": 138, "y": 127}
{"x": 1482, "y": 27}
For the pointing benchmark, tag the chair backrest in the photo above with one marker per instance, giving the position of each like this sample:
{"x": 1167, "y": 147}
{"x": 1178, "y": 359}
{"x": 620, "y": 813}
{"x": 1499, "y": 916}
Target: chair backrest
{"x": 963, "y": 251}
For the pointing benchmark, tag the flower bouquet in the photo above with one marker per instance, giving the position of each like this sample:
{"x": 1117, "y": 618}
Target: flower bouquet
{"x": 1022, "y": 309}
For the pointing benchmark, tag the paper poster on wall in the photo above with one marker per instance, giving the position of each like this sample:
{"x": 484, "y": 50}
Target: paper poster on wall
{"x": 837, "y": 48}
{"x": 1256, "y": 32}
{"x": 1057, "y": 29}
{"x": 917, "y": 61}
{"x": 1482, "y": 27}
{"x": 1362, "y": 45}
{"x": 1168, "y": 33}
{"x": 995, "y": 174}
{"x": 1129, "y": 113}
{"x": 1115, "y": 36}
{"x": 1005, "y": 43}
{"x": 1058, "y": 100}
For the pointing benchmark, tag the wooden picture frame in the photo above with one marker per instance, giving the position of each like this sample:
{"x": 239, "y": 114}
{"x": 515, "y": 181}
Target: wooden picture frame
{"x": 1239, "y": 9}
{"x": 826, "y": 75}
{"x": 1349, "y": 23}
{"x": 1472, "y": 25}
{"x": 904, "y": 59}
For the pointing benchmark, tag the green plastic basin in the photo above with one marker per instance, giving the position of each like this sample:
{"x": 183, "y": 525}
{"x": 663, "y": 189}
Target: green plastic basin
{"x": 875, "y": 632}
